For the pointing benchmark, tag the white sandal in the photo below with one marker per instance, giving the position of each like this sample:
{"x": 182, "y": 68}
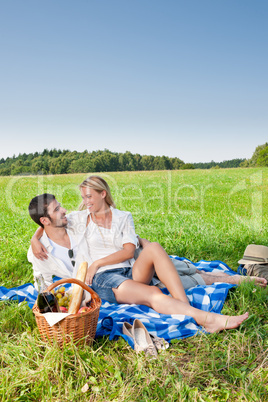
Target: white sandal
{"x": 140, "y": 331}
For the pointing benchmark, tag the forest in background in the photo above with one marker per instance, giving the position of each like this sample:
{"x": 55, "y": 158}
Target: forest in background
{"x": 64, "y": 161}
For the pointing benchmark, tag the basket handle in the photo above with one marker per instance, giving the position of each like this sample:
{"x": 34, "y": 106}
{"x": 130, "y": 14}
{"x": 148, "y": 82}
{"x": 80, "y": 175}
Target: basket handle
{"x": 75, "y": 281}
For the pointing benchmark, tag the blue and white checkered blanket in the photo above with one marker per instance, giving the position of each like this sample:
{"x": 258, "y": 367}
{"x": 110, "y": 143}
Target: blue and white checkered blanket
{"x": 175, "y": 326}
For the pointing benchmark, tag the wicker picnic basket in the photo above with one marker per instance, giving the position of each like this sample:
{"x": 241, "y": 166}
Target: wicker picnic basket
{"x": 81, "y": 328}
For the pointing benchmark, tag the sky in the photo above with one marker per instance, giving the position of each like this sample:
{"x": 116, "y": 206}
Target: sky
{"x": 181, "y": 78}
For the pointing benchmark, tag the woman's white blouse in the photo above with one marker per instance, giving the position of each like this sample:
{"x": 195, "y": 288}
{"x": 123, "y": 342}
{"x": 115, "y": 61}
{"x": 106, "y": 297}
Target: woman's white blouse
{"x": 103, "y": 242}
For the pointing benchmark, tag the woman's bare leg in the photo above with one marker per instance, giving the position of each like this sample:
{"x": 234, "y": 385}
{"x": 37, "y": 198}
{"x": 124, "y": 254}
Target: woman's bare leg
{"x": 154, "y": 259}
{"x": 134, "y": 292}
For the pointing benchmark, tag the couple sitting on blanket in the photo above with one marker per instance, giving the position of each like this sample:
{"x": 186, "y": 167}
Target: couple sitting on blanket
{"x": 105, "y": 237}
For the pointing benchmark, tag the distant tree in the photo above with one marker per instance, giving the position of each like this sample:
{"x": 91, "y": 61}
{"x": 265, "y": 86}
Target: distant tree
{"x": 54, "y": 153}
{"x": 162, "y": 163}
{"x": 253, "y": 160}
{"x": 5, "y": 171}
{"x": 37, "y": 165}
{"x": 109, "y": 160}
{"x": 262, "y": 159}
{"x": 130, "y": 161}
{"x": 113, "y": 163}
{"x": 158, "y": 163}
{"x": 17, "y": 167}
{"x": 53, "y": 165}
{"x": 187, "y": 166}
{"x": 98, "y": 164}
{"x": 126, "y": 161}
{"x": 176, "y": 163}
{"x": 147, "y": 162}
{"x": 83, "y": 164}
{"x": 45, "y": 152}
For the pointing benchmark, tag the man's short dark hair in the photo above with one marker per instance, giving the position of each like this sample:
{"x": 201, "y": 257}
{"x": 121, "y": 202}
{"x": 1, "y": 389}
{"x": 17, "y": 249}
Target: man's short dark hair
{"x": 38, "y": 207}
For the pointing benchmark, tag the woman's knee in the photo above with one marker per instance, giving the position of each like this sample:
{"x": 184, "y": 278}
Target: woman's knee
{"x": 154, "y": 247}
{"x": 134, "y": 292}
{"x": 154, "y": 295}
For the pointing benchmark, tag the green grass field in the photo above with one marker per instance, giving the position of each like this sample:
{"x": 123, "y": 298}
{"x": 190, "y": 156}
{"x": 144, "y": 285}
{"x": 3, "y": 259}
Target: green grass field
{"x": 198, "y": 214}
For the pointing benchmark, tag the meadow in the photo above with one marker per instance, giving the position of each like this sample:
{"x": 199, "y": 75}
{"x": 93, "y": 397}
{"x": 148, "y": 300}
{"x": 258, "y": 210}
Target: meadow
{"x": 199, "y": 214}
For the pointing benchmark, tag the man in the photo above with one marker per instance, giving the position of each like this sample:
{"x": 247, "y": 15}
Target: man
{"x": 65, "y": 247}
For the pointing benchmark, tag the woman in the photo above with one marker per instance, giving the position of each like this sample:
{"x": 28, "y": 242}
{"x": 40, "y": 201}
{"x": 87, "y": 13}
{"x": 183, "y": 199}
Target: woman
{"x": 111, "y": 239}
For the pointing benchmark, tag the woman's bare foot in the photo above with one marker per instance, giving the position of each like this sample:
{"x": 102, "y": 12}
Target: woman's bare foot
{"x": 217, "y": 322}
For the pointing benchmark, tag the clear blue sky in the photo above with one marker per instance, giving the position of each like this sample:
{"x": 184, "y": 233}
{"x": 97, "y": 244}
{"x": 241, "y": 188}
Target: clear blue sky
{"x": 185, "y": 78}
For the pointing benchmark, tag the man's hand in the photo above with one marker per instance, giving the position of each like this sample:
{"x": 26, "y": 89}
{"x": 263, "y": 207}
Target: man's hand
{"x": 91, "y": 271}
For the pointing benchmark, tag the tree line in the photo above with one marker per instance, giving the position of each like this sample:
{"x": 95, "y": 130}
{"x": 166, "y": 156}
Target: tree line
{"x": 233, "y": 163}
{"x": 64, "y": 161}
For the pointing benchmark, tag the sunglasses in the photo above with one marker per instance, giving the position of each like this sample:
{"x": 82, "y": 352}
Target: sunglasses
{"x": 71, "y": 255}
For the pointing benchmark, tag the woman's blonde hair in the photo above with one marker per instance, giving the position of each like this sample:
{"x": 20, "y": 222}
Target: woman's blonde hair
{"x": 98, "y": 184}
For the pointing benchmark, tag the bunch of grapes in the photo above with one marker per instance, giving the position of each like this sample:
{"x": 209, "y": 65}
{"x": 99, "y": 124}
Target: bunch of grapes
{"x": 62, "y": 296}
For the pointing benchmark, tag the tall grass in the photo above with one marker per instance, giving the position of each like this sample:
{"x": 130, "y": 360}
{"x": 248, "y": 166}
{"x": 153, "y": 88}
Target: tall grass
{"x": 209, "y": 215}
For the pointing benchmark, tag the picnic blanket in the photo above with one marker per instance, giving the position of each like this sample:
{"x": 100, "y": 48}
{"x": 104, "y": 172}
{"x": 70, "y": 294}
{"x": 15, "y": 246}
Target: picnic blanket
{"x": 175, "y": 326}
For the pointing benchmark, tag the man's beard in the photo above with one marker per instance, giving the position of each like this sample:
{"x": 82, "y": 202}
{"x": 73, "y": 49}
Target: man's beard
{"x": 62, "y": 225}
{"x": 58, "y": 223}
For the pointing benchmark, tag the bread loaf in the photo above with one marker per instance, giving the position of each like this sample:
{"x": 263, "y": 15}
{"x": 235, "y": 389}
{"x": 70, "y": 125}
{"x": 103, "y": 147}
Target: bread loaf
{"x": 77, "y": 292}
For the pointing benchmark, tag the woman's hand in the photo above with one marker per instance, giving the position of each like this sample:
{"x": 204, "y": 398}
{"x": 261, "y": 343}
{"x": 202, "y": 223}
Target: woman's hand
{"x": 119, "y": 256}
{"x": 144, "y": 242}
{"x": 91, "y": 271}
{"x": 39, "y": 250}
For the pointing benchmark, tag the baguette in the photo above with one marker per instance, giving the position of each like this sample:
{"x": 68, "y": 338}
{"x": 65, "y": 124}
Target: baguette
{"x": 77, "y": 292}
